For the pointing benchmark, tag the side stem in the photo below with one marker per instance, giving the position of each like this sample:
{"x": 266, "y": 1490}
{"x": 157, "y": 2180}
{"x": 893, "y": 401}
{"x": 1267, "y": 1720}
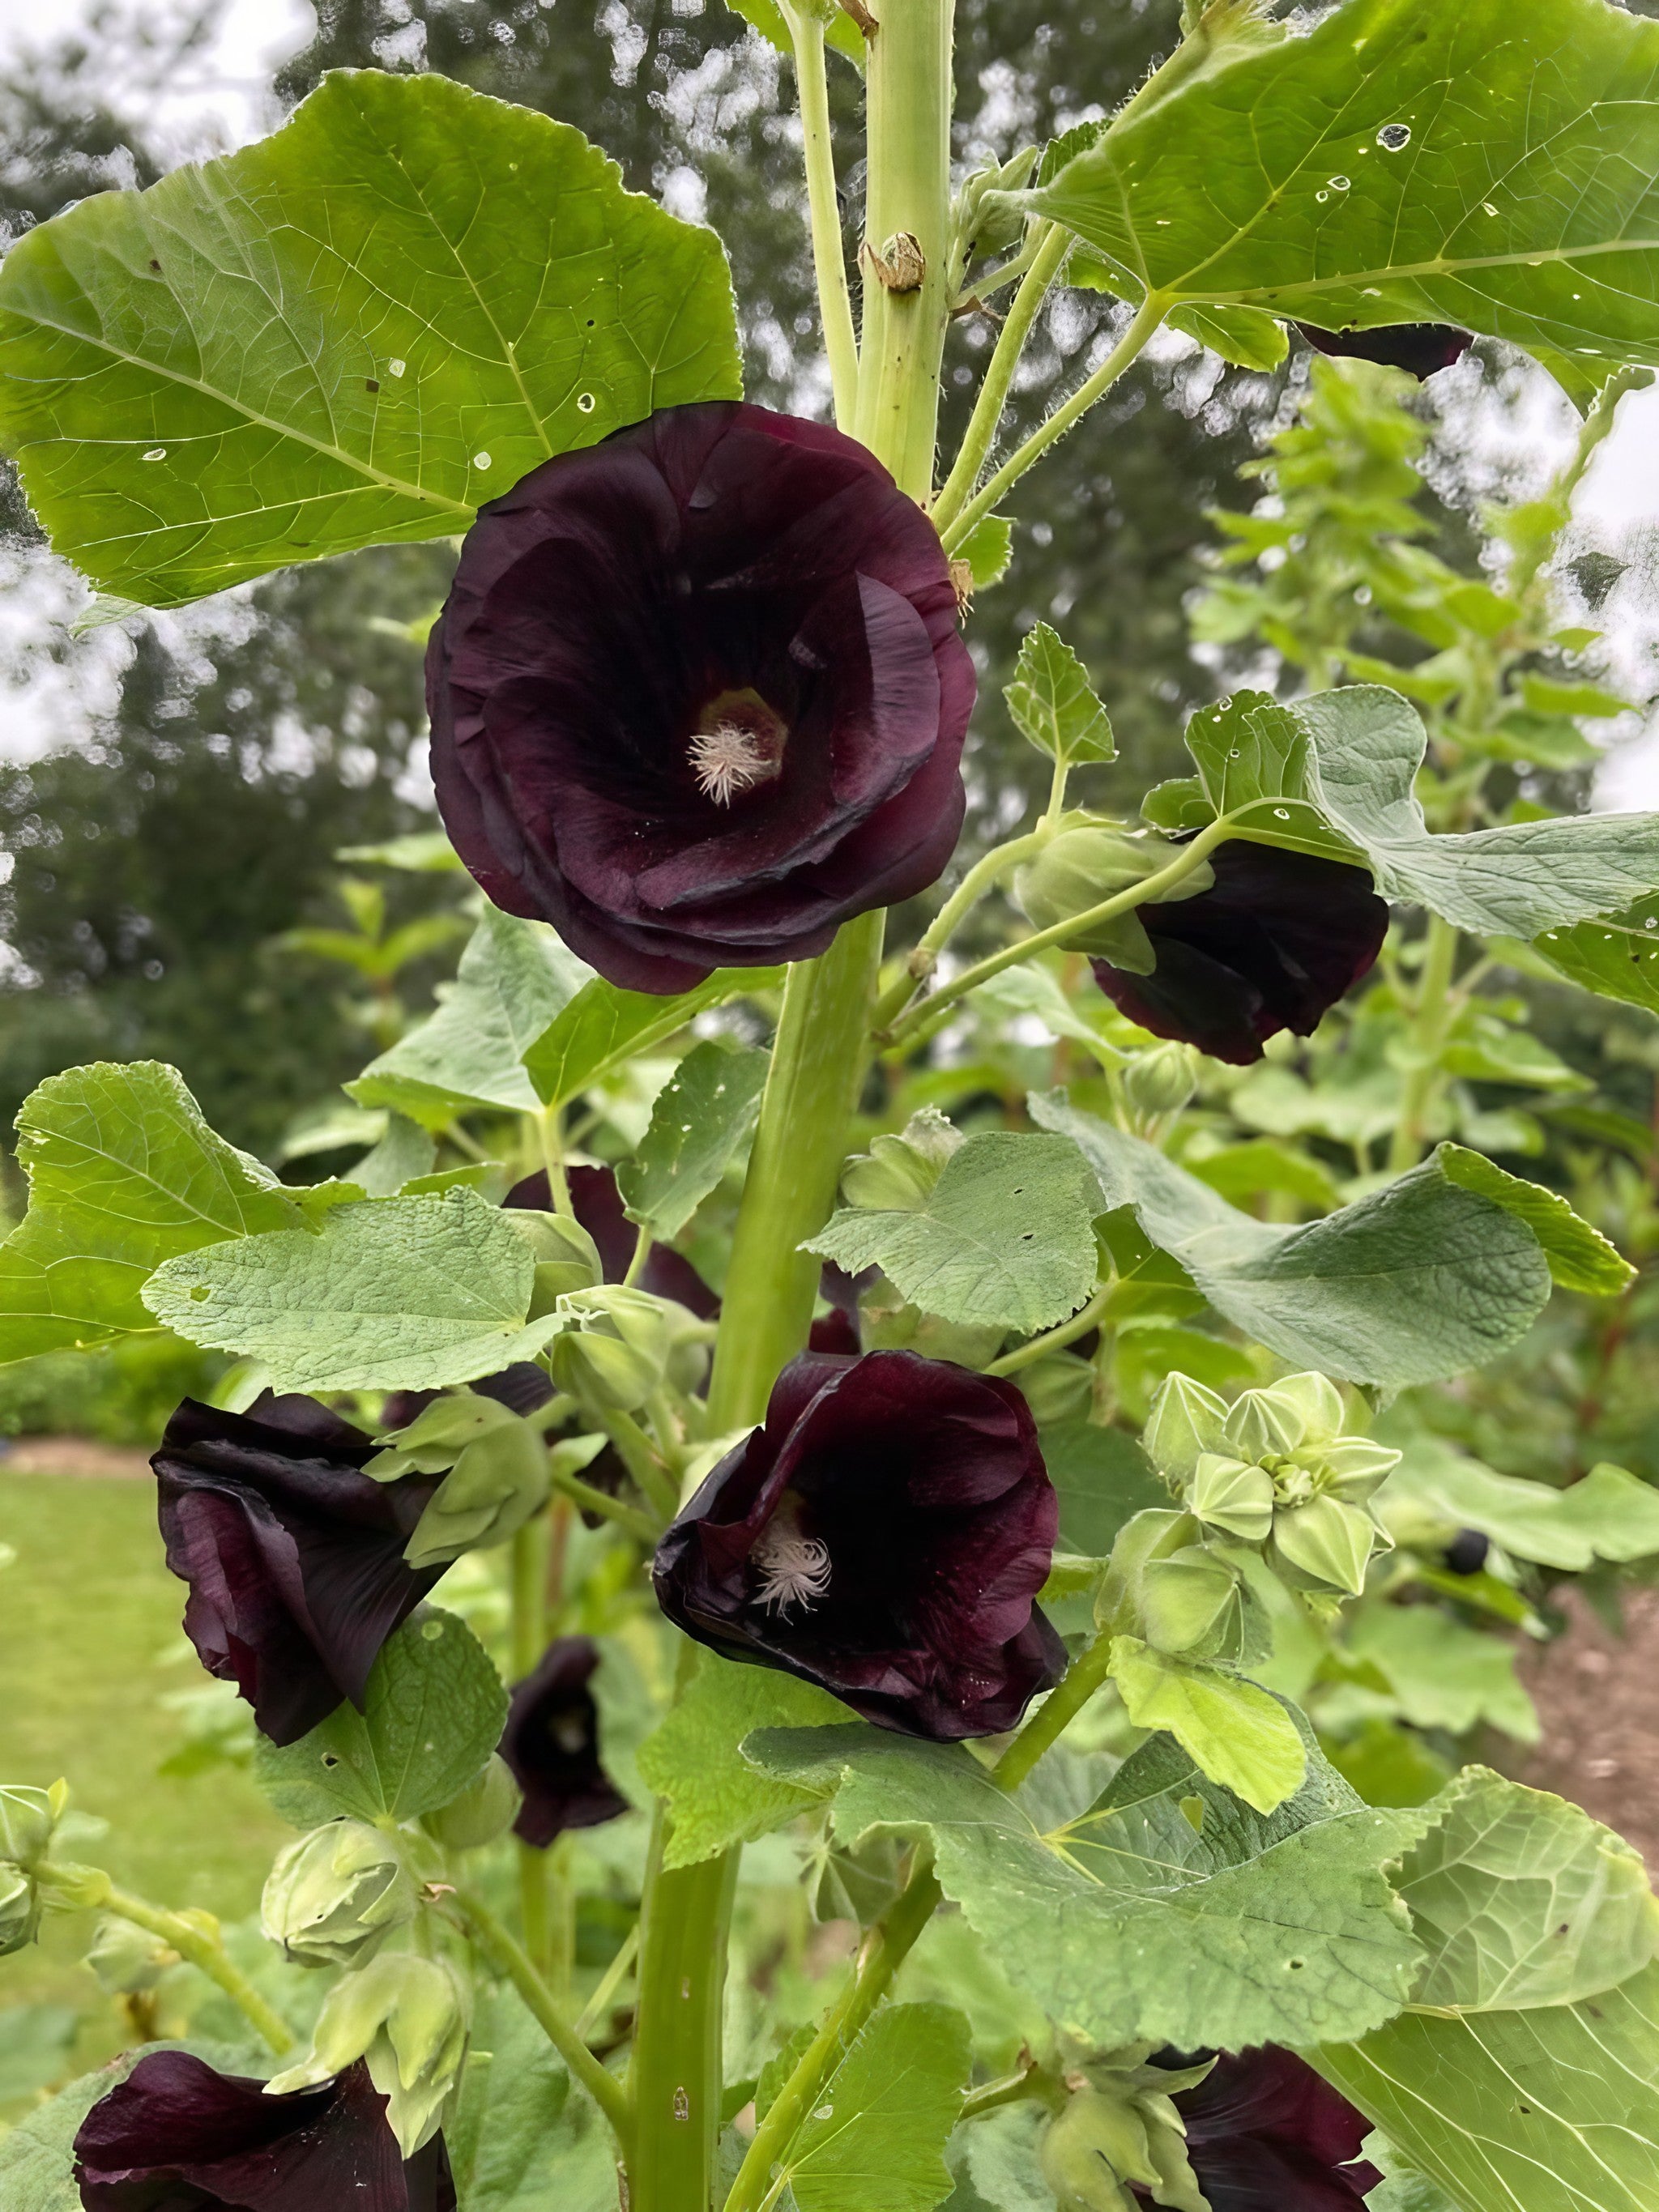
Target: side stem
{"x": 828, "y": 261}
{"x": 981, "y": 429}
{"x": 190, "y": 1942}
{"x": 1055, "y": 1714}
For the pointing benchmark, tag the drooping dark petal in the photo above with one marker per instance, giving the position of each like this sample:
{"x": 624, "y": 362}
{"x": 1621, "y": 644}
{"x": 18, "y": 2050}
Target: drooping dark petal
{"x": 1271, "y": 946}
{"x": 884, "y": 1535}
{"x": 551, "y": 1742}
{"x": 698, "y": 695}
{"x": 1265, "y": 2133}
{"x": 1420, "y": 349}
{"x": 177, "y": 2136}
{"x": 598, "y": 1206}
{"x": 293, "y": 1557}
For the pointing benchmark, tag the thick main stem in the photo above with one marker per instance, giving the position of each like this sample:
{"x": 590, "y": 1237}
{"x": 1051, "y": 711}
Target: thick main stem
{"x": 829, "y": 261}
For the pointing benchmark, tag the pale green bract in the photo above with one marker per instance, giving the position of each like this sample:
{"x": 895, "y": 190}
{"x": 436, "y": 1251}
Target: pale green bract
{"x": 1126, "y": 1921}
{"x": 1241, "y": 1737}
{"x": 1422, "y": 1279}
{"x": 123, "y": 1174}
{"x": 393, "y": 1294}
{"x": 1403, "y": 161}
{"x": 433, "y": 1714}
{"x": 1004, "y": 1238}
{"x": 352, "y": 333}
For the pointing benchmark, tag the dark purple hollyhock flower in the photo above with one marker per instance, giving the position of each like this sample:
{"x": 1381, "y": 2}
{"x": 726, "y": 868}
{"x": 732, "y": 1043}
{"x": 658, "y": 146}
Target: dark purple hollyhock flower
{"x": 1418, "y": 348}
{"x": 294, "y": 1558}
{"x": 176, "y": 2137}
{"x": 698, "y": 695}
{"x": 884, "y": 1535}
{"x": 1271, "y": 946}
{"x": 1265, "y": 2133}
{"x": 551, "y": 1742}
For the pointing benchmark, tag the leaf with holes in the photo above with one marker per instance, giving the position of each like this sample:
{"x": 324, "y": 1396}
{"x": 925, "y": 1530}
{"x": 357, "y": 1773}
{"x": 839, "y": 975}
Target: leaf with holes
{"x": 702, "y": 1114}
{"x": 351, "y": 333}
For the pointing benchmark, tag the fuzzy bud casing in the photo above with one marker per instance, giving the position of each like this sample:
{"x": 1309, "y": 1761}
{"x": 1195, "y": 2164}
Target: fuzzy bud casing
{"x": 20, "y": 1909}
{"x": 334, "y": 1896}
{"x": 484, "y": 1810}
{"x": 898, "y": 1174}
{"x": 614, "y": 1348}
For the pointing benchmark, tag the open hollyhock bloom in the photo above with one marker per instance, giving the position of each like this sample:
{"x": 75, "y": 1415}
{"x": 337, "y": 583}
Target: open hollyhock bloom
{"x": 1420, "y": 349}
{"x": 884, "y": 1535}
{"x": 698, "y": 695}
{"x": 1265, "y": 2133}
{"x": 177, "y": 2136}
{"x": 1272, "y": 945}
{"x": 551, "y": 1744}
{"x": 294, "y": 1556}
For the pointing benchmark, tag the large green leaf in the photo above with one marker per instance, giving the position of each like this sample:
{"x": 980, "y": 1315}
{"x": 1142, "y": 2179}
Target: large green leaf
{"x": 1580, "y": 1257}
{"x": 1004, "y": 1237}
{"x": 123, "y": 1174}
{"x": 603, "y": 1026}
{"x": 1555, "y": 2111}
{"x": 434, "y": 1712}
{"x": 1443, "y": 1674}
{"x": 875, "y": 2142}
{"x": 1420, "y": 1281}
{"x": 394, "y": 1294}
{"x": 354, "y": 332}
{"x": 1484, "y": 163}
{"x": 1522, "y": 1901}
{"x": 1612, "y": 955}
{"x": 702, "y": 1114}
{"x": 1607, "y": 1514}
{"x": 1144, "y": 1916}
{"x": 515, "y": 977}
{"x": 1334, "y": 775}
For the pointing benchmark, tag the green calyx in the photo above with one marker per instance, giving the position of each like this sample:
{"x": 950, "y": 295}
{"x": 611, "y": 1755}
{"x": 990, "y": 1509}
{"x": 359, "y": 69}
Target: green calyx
{"x": 28, "y": 1820}
{"x": 128, "y": 1961}
{"x": 898, "y": 1173}
{"x": 567, "y": 1258}
{"x": 334, "y": 1898}
{"x": 497, "y": 1474}
{"x": 485, "y": 1810}
{"x": 407, "y": 2017}
{"x": 616, "y": 1346}
{"x": 20, "y": 1909}
{"x": 1089, "y": 861}
{"x": 1120, "y": 2132}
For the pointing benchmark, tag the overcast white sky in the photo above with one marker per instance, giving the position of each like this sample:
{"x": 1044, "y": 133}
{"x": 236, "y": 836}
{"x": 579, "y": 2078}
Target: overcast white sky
{"x": 219, "y": 99}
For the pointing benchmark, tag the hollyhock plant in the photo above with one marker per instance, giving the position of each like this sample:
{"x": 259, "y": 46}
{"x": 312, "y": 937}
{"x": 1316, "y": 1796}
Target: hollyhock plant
{"x": 1265, "y": 2133}
{"x": 884, "y": 1534}
{"x": 551, "y": 1743}
{"x": 1272, "y": 945}
{"x": 178, "y": 2136}
{"x": 1420, "y": 349}
{"x": 294, "y": 1557}
{"x": 698, "y": 695}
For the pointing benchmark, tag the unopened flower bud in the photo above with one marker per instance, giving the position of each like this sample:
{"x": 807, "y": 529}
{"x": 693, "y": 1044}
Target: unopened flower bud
{"x": 1328, "y": 1541}
{"x": 27, "y": 1819}
{"x": 898, "y": 1174}
{"x": 1092, "y": 2150}
{"x": 334, "y": 1898}
{"x": 500, "y": 1480}
{"x": 435, "y": 1439}
{"x": 1234, "y": 1495}
{"x": 1190, "y": 1604}
{"x": 1356, "y": 1467}
{"x": 1085, "y": 865}
{"x": 20, "y": 1909}
{"x": 484, "y": 1810}
{"x": 1264, "y": 1425}
{"x": 1186, "y": 1421}
{"x": 614, "y": 1347}
{"x": 128, "y": 1961}
{"x": 567, "y": 1258}
{"x": 407, "y": 2017}
{"x": 1159, "y": 1083}
{"x": 1319, "y": 1402}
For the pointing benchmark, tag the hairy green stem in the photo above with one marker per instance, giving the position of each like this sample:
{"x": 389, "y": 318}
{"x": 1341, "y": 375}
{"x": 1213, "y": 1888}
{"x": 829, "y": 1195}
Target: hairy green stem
{"x": 986, "y": 871}
{"x": 828, "y": 261}
{"x": 640, "y": 1526}
{"x": 609, "y": 1982}
{"x": 1055, "y": 1714}
{"x": 643, "y": 1461}
{"x": 1054, "y": 1340}
{"x": 509, "y": 1959}
{"x": 201, "y": 1951}
{"x": 883, "y": 1952}
{"x": 529, "y": 1640}
{"x": 958, "y": 488}
{"x": 675, "y": 2082}
{"x": 1146, "y": 318}
{"x": 1431, "y": 1021}
{"x": 903, "y": 1031}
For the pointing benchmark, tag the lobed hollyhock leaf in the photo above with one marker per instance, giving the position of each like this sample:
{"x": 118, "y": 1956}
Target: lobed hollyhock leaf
{"x": 551, "y": 1744}
{"x": 698, "y": 695}
{"x": 1397, "y": 161}
{"x": 1168, "y": 1910}
{"x": 123, "y": 1174}
{"x": 1052, "y": 703}
{"x": 1420, "y": 1281}
{"x": 883, "y": 1536}
{"x": 603, "y": 1027}
{"x": 1607, "y": 1514}
{"x": 1266, "y": 2134}
{"x": 1442, "y": 1672}
{"x": 293, "y": 1555}
{"x": 431, "y": 1715}
{"x": 1580, "y": 1257}
{"x": 877, "y": 2137}
{"x": 374, "y": 334}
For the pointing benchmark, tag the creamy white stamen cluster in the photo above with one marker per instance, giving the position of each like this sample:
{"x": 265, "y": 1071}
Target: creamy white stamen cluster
{"x": 794, "y": 1569}
{"x": 725, "y": 761}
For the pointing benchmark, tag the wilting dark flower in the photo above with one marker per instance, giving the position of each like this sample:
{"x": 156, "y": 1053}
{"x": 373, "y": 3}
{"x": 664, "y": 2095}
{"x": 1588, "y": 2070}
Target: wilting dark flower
{"x": 1418, "y": 348}
{"x": 551, "y": 1742}
{"x": 884, "y": 1536}
{"x": 1265, "y": 2133}
{"x": 176, "y": 2137}
{"x": 294, "y": 1558}
{"x": 698, "y": 695}
{"x": 1271, "y": 945}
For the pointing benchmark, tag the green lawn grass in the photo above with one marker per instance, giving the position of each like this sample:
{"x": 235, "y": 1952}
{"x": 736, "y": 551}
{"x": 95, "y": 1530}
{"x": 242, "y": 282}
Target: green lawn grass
{"x": 89, "y": 1615}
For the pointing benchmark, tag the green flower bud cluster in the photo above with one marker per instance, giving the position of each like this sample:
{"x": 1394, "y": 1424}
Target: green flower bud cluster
{"x": 497, "y": 1476}
{"x": 28, "y": 1820}
{"x": 1158, "y": 1083}
{"x": 408, "y": 2017}
{"x": 898, "y": 1174}
{"x": 1119, "y": 2130}
{"x": 1277, "y": 1468}
{"x": 1089, "y": 861}
{"x": 334, "y": 1896}
{"x": 616, "y": 1347}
